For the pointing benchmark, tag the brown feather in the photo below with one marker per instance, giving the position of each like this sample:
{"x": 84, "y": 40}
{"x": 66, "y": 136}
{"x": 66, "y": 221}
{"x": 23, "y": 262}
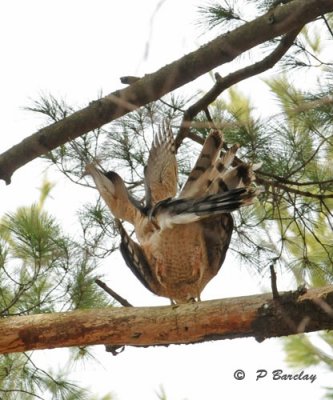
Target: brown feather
{"x": 161, "y": 169}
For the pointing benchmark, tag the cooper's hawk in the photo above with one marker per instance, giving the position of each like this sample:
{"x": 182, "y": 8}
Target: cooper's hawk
{"x": 183, "y": 239}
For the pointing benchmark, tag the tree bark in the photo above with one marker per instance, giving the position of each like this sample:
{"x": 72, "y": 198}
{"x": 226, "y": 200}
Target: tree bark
{"x": 223, "y": 49}
{"x": 259, "y": 316}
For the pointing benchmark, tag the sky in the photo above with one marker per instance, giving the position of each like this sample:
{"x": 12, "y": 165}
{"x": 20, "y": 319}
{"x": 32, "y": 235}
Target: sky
{"x": 76, "y": 50}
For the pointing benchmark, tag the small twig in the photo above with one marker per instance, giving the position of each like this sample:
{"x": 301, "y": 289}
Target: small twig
{"x": 196, "y": 138}
{"x": 171, "y": 106}
{"x": 308, "y": 160}
{"x": 294, "y": 183}
{"x": 209, "y": 118}
{"x": 275, "y": 291}
{"x": 25, "y": 392}
{"x": 327, "y": 25}
{"x": 113, "y": 294}
{"x": 128, "y": 80}
{"x": 114, "y": 350}
{"x": 289, "y": 189}
{"x": 310, "y": 54}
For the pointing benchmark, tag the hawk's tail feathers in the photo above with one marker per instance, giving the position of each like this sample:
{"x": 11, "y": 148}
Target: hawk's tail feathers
{"x": 184, "y": 211}
{"x": 224, "y": 177}
{"x": 196, "y": 182}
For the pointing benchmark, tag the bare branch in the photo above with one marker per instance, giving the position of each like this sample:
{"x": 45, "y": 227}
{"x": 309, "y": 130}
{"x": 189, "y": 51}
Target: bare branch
{"x": 259, "y": 316}
{"x": 281, "y": 20}
{"x": 327, "y": 25}
{"x": 289, "y": 189}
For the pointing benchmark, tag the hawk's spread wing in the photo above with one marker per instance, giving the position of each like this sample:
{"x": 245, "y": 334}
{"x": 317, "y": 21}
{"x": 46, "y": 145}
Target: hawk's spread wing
{"x": 161, "y": 169}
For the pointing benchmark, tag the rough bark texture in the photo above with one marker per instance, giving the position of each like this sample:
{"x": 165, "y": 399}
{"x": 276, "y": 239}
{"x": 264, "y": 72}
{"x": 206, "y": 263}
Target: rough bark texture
{"x": 259, "y": 316}
{"x": 224, "y": 48}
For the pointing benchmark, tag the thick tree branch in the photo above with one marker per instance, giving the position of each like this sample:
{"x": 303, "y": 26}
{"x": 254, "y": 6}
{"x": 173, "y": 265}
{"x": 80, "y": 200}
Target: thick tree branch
{"x": 259, "y": 316}
{"x": 225, "y": 48}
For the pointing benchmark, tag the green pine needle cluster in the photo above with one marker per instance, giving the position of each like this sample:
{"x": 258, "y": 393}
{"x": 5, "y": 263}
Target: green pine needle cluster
{"x": 42, "y": 270}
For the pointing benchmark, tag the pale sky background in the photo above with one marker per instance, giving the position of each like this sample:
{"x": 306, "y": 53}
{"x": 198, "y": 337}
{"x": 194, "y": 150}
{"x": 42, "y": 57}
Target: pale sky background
{"x": 75, "y": 49}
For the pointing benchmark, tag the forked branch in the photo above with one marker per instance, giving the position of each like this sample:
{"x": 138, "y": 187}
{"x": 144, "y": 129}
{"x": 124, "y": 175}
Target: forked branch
{"x": 226, "y": 82}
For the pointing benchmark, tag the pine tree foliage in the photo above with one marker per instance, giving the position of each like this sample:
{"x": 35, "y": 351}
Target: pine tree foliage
{"x": 22, "y": 379}
{"x": 216, "y": 14}
{"x": 43, "y": 270}
{"x": 304, "y": 352}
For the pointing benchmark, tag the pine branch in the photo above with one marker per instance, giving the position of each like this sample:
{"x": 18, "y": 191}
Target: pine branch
{"x": 281, "y": 179}
{"x": 24, "y": 392}
{"x": 311, "y": 105}
{"x": 289, "y": 189}
{"x": 327, "y": 25}
{"x": 225, "y": 83}
{"x": 259, "y": 316}
{"x": 224, "y": 48}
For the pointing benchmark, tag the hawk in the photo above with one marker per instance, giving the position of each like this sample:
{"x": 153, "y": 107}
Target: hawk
{"x": 183, "y": 239}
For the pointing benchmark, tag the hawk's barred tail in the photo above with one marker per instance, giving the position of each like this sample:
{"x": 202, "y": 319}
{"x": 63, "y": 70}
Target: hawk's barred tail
{"x": 213, "y": 174}
{"x": 200, "y": 174}
{"x": 184, "y": 211}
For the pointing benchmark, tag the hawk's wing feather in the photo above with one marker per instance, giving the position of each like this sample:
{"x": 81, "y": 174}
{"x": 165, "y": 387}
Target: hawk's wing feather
{"x": 136, "y": 260}
{"x": 161, "y": 169}
{"x": 184, "y": 211}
